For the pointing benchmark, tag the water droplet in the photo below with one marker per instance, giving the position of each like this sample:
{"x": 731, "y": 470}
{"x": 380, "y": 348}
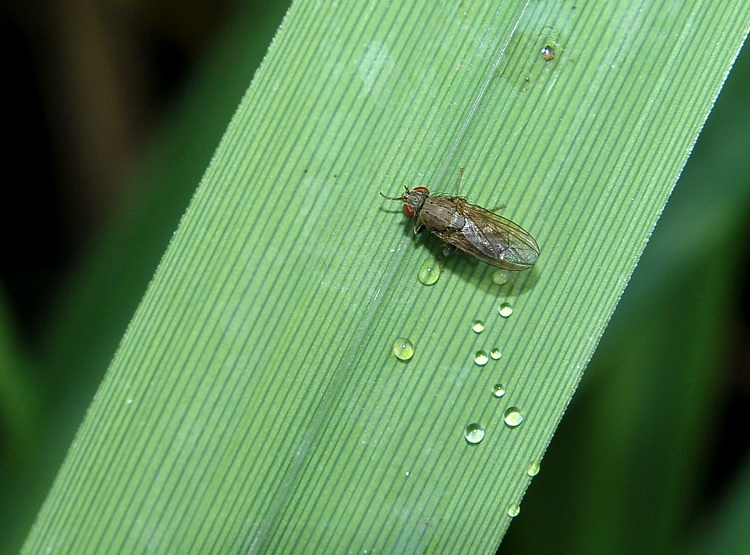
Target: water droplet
{"x": 548, "y": 53}
{"x": 480, "y": 358}
{"x": 407, "y": 473}
{"x": 474, "y": 432}
{"x": 514, "y": 510}
{"x": 496, "y": 354}
{"x": 500, "y": 277}
{"x": 513, "y": 417}
{"x": 498, "y": 390}
{"x": 533, "y": 468}
{"x": 403, "y": 348}
{"x": 478, "y": 326}
{"x": 429, "y": 272}
{"x": 505, "y": 310}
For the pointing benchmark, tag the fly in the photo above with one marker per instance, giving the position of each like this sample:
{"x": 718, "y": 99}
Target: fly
{"x": 477, "y": 231}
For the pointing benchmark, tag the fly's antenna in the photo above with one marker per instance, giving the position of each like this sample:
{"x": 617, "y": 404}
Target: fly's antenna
{"x": 390, "y": 198}
{"x": 402, "y": 197}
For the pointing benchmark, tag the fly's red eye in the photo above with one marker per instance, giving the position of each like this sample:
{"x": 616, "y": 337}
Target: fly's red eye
{"x": 408, "y": 211}
{"x": 424, "y": 190}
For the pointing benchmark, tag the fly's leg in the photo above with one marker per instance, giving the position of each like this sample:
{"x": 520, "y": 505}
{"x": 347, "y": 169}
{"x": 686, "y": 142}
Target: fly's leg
{"x": 458, "y": 180}
{"x": 450, "y": 250}
{"x": 458, "y": 185}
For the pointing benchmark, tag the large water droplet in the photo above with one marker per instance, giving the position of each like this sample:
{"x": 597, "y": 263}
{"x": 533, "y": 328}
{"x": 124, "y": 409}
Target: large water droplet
{"x": 429, "y": 272}
{"x": 513, "y": 417}
{"x": 505, "y": 310}
{"x": 480, "y": 358}
{"x": 514, "y": 510}
{"x": 403, "y": 348}
{"x": 477, "y": 326}
{"x": 474, "y": 432}
{"x": 496, "y": 354}
{"x": 500, "y": 277}
{"x": 533, "y": 468}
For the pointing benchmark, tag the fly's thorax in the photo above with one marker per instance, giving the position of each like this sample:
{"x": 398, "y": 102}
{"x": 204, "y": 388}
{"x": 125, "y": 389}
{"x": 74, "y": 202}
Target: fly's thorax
{"x": 442, "y": 214}
{"x": 414, "y": 200}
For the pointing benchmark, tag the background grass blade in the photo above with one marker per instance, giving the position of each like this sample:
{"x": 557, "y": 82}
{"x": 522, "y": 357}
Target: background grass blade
{"x": 255, "y": 403}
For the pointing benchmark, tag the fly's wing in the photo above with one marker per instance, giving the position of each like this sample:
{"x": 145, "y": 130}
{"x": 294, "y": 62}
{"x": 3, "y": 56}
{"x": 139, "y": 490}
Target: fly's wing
{"x": 492, "y": 239}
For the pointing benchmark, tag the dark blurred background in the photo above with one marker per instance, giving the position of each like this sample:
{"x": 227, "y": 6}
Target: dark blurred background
{"x": 115, "y": 111}
{"x": 90, "y": 83}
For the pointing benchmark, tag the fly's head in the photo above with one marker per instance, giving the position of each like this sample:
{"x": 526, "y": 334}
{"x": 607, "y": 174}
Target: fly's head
{"x": 413, "y": 200}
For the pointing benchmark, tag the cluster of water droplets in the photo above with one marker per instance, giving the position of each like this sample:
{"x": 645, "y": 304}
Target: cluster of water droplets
{"x": 512, "y": 417}
{"x": 403, "y": 349}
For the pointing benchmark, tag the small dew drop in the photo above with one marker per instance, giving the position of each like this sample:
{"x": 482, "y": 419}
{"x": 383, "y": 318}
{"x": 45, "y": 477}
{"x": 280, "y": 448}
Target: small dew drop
{"x": 477, "y": 326}
{"x": 498, "y": 390}
{"x": 480, "y": 358}
{"x": 514, "y": 510}
{"x": 474, "y": 432}
{"x": 403, "y": 348}
{"x": 407, "y": 473}
{"x": 513, "y": 417}
{"x": 533, "y": 468}
{"x": 500, "y": 277}
{"x": 496, "y": 354}
{"x": 429, "y": 272}
{"x": 505, "y": 310}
